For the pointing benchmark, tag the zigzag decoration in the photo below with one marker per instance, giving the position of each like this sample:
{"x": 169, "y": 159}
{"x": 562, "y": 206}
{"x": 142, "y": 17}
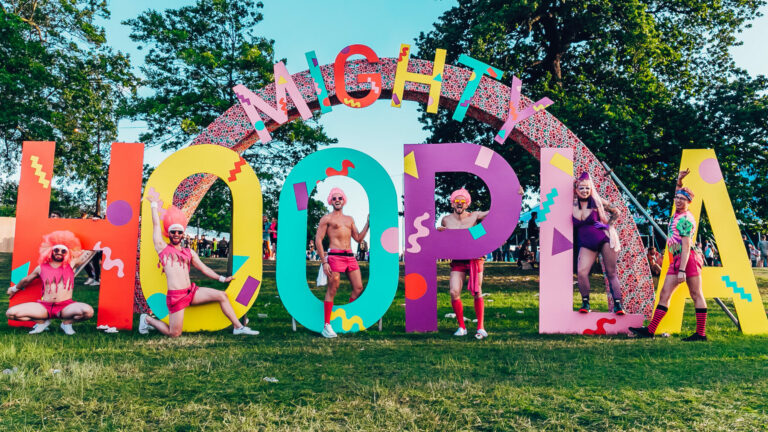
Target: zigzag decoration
{"x": 283, "y": 105}
{"x": 549, "y": 202}
{"x": 243, "y": 99}
{"x": 351, "y": 102}
{"x": 736, "y": 288}
{"x": 234, "y": 172}
{"x": 39, "y": 172}
{"x": 403, "y": 53}
{"x": 374, "y": 87}
{"x": 347, "y": 324}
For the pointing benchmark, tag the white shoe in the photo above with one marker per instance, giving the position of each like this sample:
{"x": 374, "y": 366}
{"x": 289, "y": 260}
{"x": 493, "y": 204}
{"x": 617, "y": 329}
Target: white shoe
{"x": 39, "y": 328}
{"x": 461, "y": 332}
{"x": 89, "y": 281}
{"x": 96, "y": 282}
{"x": 481, "y": 334}
{"x": 245, "y": 330}
{"x": 67, "y": 328}
{"x": 328, "y": 332}
{"x": 144, "y": 326}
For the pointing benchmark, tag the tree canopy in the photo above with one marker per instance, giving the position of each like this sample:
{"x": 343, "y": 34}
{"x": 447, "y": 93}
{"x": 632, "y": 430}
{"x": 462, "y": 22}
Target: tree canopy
{"x": 637, "y": 81}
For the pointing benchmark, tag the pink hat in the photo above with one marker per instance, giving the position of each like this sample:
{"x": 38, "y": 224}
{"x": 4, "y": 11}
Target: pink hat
{"x": 174, "y": 220}
{"x": 337, "y": 191}
{"x": 461, "y": 192}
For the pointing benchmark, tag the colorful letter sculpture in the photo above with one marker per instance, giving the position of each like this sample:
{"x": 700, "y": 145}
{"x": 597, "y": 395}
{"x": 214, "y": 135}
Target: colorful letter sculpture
{"x": 735, "y": 278}
{"x": 246, "y": 231}
{"x": 424, "y": 245}
{"x": 556, "y": 314}
{"x": 115, "y": 236}
{"x": 374, "y": 79}
{"x": 384, "y": 245}
{"x": 433, "y": 80}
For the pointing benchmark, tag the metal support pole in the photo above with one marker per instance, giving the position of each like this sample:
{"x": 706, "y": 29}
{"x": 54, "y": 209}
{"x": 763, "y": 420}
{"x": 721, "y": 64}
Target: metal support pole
{"x": 663, "y": 235}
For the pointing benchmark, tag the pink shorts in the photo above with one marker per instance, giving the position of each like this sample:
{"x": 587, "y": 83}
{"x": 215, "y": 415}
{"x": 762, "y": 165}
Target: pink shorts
{"x": 464, "y": 265}
{"x": 179, "y": 299}
{"x": 54, "y": 309}
{"x": 342, "y": 263}
{"x": 692, "y": 268}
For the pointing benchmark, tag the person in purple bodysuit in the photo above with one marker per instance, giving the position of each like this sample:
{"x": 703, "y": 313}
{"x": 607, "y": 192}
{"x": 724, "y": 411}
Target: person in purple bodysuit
{"x": 595, "y": 234}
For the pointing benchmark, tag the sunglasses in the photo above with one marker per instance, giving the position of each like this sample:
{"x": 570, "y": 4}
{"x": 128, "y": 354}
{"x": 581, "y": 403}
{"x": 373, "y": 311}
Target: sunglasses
{"x": 460, "y": 201}
{"x": 337, "y": 199}
{"x": 176, "y": 232}
{"x": 59, "y": 251}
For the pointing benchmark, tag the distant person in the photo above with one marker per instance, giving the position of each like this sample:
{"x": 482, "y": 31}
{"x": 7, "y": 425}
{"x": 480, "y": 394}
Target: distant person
{"x": 223, "y": 248}
{"x": 273, "y": 235}
{"x": 684, "y": 266}
{"x": 746, "y": 242}
{"x": 526, "y": 259}
{"x": 763, "y": 246}
{"x": 654, "y": 260}
{"x": 267, "y": 245}
{"x": 533, "y": 229}
{"x": 709, "y": 254}
{"x": 754, "y": 255}
{"x": 362, "y": 248}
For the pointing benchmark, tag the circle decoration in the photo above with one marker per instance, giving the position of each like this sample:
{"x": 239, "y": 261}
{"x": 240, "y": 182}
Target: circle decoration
{"x": 119, "y": 213}
{"x": 709, "y": 171}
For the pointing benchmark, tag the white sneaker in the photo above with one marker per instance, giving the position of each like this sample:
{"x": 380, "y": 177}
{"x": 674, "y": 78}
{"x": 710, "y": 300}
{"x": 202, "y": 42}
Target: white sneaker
{"x": 144, "y": 326}
{"x": 328, "y": 332}
{"x": 96, "y": 282}
{"x": 461, "y": 332}
{"x": 39, "y": 328}
{"x": 67, "y": 328}
{"x": 481, "y": 334}
{"x": 245, "y": 330}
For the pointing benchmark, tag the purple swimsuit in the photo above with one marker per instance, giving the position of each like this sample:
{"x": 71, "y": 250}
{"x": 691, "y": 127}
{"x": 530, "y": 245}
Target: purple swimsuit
{"x": 591, "y": 233}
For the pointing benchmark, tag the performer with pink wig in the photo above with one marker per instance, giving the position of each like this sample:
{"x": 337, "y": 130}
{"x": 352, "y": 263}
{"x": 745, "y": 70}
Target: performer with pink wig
{"x": 59, "y": 253}
{"x": 595, "y": 234}
{"x": 460, "y": 218}
{"x": 340, "y": 229}
{"x": 175, "y": 261}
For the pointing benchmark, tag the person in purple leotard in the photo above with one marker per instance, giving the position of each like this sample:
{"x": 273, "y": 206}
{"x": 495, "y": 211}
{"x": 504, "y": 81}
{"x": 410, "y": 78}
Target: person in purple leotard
{"x": 595, "y": 234}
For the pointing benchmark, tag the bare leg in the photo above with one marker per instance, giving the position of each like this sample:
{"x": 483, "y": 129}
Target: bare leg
{"x": 586, "y": 259}
{"x": 610, "y": 257}
{"x": 356, "y": 279}
{"x": 694, "y": 288}
{"x": 670, "y": 285}
{"x": 176, "y": 321}
{"x": 31, "y": 311}
{"x": 76, "y": 312}
{"x": 210, "y": 295}
{"x": 333, "y": 285}
{"x": 455, "y": 283}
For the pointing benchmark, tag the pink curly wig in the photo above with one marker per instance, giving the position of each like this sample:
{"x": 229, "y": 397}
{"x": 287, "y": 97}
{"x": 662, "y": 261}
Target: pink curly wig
{"x": 337, "y": 191}
{"x": 174, "y": 216}
{"x": 461, "y": 192}
{"x": 66, "y": 238}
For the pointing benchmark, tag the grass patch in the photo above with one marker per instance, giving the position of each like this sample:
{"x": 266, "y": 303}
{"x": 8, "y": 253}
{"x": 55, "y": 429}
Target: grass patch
{"x": 388, "y": 380}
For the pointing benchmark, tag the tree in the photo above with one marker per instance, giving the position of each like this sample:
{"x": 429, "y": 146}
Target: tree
{"x": 636, "y": 81}
{"x": 196, "y": 55}
{"x": 60, "y": 82}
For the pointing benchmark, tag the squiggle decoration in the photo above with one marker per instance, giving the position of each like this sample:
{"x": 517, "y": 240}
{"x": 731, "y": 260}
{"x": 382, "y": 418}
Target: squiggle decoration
{"x": 403, "y": 53}
{"x": 421, "y": 231}
{"x": 352, "y": 103}
{"x": 736, "y": 288}
{"x": 234, "y": 172}
{"x": 109, "y": 263}
{"x": 243, "y": 99}
{"x": 375, "y": 88}
{"x": 345, "y": 166}
{"x": 600, "y": 330}
{"x": 284, "y": 105}
{"x": 39, "y": 172}
{"x": 347, "y": 324}
{"x": 539, "y": 107}
{"x": 549, "y": 202}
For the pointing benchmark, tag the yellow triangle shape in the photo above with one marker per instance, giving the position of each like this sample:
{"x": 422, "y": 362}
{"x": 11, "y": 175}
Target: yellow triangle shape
{"x": 409, "y": 167}
{"x": 281, "y": 80}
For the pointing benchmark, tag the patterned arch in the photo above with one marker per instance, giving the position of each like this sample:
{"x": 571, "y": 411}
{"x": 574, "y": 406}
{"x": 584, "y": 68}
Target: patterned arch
{"x": 489, "y": 105}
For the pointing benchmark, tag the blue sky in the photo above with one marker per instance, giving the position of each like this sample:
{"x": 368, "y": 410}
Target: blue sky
{"x": 328, "y": 26}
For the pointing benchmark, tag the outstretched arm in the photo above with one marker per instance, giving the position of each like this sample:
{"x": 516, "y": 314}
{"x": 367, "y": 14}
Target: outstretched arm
{"x": 359, "y": 236}
{"x": 157, "y": 233}
{"x": 481, "y": 215}
{"x": 207, "y": 270}
{"x": 24, "y": 282}
{"x": 680, "y": 176}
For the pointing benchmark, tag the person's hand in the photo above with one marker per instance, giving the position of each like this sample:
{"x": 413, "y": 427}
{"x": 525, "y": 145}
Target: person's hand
{"x": 681, "y": 175}
{"x": 520, "y": 191}
{"x": 680, "y": 277}
{"x": 368, "y": 218}
{"x": 228, "y": 279}
{"x": 327, "y": 269}
{"x": 12, "y": 291}
{"x": 441, "y": 228}
{"x": 153, "y": 198}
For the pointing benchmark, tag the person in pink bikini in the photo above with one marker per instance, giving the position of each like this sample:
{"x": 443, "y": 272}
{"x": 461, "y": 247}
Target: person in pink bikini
{"x": 59, "y": 252}
{"x": 175, "y": 261}
{"x": 340, "y": 258}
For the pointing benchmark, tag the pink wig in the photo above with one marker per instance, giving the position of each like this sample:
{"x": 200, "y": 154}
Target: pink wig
{"x": 461, "y": 192}
{"x": 59, "y": 238}
{"x": 174, "y": 216}
{"x": 337, "y": 191}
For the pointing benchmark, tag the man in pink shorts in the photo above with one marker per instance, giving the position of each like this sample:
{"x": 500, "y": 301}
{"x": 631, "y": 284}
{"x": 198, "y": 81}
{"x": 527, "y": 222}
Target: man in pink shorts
{"x": 340, "y": 229}
{"x": 685, "y": 264}
{"x": 175, "y": 261}
{"x": 59, "y": 252}
{"x": 462, "y": 219}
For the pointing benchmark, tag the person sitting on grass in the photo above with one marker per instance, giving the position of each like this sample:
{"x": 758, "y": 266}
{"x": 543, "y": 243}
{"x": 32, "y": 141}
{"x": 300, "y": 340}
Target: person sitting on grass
{"x": 685, "y": 266}
{"x": 175, "y": 262}
{"x": 59, "y": 252}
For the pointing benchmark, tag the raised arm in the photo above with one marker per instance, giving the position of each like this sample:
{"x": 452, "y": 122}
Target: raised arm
{"x": 481, "y": 215}
{"x": 680, "y": 176}
{"x": 157, "y": 233}
{"x": 24, "y": 282}
{"x": 207, "y": 270}
{"x": 359, "y": 236}
{"x": 613, "y": 210}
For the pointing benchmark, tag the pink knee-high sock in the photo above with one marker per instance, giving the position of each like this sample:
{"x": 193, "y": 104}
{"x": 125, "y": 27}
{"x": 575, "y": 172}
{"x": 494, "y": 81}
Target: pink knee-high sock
{"x": 459, "y": 309}
{"x": 328, "y": 307}
{"x": 479, "y": 311}
{"x": 701, "y": 321}
{"x": 658, "y": 314}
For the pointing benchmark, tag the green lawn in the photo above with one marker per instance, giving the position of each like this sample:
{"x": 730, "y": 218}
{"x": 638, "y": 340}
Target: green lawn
{"x": 389, "y": 380}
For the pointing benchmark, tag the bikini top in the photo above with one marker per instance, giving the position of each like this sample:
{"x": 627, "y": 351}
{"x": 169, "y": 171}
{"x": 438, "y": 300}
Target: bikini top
{"x": 170, "y": 254}
{"x": 57, "y": 275}
{"x": 592, "y": 220}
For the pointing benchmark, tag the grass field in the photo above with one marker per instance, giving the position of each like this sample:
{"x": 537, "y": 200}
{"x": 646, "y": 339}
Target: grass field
{"x": 388, "y": 380}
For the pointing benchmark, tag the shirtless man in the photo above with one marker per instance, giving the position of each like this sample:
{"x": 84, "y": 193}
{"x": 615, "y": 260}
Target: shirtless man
{"x": 340, "y": 229}
{"x": 175, "y": 261}
{"x": 463, "y": 219}
{"x": 59, "y": 252}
